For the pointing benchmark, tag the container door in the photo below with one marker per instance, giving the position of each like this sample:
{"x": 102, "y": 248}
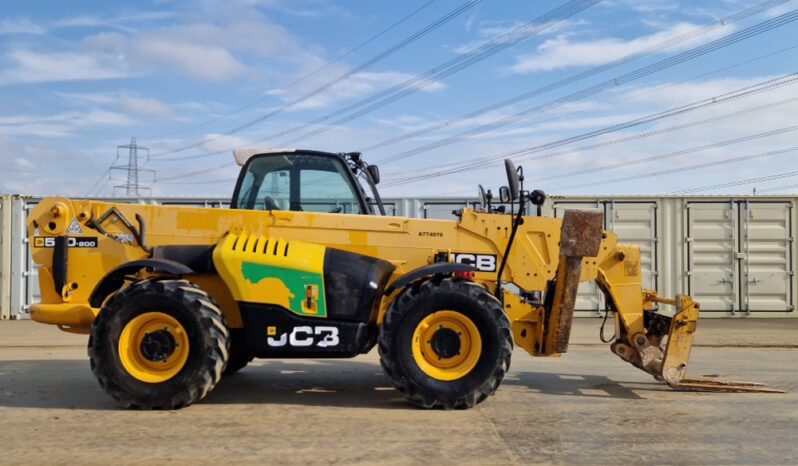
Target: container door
{"x": 636, "y": 223}
{"x": 442, "y": 210}
{"x": 589, "y": 298}
{"x": 712, "y": 265}
{"x": 5, "y": 258}
{"x": 766, "y": 250}
{"x": 32, "y": 293}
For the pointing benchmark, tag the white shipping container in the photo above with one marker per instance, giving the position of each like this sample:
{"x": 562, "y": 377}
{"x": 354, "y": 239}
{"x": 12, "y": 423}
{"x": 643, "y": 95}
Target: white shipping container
{"x": 5, "y": 256}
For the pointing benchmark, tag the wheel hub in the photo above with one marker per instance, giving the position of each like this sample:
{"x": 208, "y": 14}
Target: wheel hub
{"x": 158, "y": 345}
{"x": 153, "y": 347}
{"x": 445, "y": 343}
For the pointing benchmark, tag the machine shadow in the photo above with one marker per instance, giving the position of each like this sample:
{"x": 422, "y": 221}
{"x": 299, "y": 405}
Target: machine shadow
{"x": 592, "y": 386}
{"x": 69, "y": 384}
{"x": 320, "y": 382}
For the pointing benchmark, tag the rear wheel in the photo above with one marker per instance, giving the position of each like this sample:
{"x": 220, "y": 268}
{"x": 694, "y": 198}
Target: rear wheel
{"x": 159, "y": 344}
{"x": 446, "y": 344}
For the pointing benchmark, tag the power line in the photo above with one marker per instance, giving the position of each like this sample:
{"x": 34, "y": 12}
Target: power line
{"x": 693, "y": 53}
{"x": 373, "y": 60}
{"x": 411, "y": 85}
{"x": 194, "y": 173}
{"x": 661, "y": 130}
{"x": 777, "y": 188}
{"x": 651, "y": 133}
{"x": 740, "y": 182}
{"x": 97, "y": 183}
{"x": 489, "y": 49}
{"x": 645, "y": 160}
{"x": 305, "y": 76}
{"x": 691, "y": 150}
{"x": 704, "y": 103}
{"x": 690, "y": 35}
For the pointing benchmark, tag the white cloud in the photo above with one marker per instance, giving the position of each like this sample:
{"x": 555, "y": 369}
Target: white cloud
{"x": 222, "y": 142}
{"x": 35, "y": 67}
{"x": 624, "y": 106}
{"x": 301, "y": 8}
{"x": 145, "y": 106}
{"x": 492, "y": 31}
{"x": 116, "y": 22}
{"x": 24, "y": 164}
{"x": 130, "y": 103}
{"x": 40, "y": 168}
{"x": 20, "y": 26}
{"x": 354, "y": 86}
{"x": 61, "y": 124}
{"x": 213, "y": 50}
{"x": 562, "y": 52}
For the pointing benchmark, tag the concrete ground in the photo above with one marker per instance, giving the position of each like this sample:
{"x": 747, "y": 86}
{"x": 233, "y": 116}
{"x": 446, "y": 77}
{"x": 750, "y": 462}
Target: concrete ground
{"x": 586, "y": 407}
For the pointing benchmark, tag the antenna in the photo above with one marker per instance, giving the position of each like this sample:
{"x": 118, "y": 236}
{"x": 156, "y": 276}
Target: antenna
{"x": 133, "y": 170}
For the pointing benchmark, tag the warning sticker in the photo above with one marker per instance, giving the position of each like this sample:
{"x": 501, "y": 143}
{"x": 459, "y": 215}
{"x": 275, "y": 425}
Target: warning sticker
{"x": 74, "y": 228}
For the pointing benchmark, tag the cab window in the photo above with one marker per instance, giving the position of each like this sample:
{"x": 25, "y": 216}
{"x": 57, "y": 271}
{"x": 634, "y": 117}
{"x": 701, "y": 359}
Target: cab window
{"x": 309, "y": 183}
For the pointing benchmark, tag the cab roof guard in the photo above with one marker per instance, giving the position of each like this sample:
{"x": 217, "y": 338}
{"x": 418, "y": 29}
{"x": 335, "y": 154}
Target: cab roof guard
{"x": 242, "y": 155}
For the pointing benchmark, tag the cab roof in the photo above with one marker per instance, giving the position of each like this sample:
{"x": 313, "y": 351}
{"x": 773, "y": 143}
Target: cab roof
{"x": 242, "y": 155}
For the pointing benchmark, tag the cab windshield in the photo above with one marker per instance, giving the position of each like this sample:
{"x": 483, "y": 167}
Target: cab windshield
{"x": 309, "y": 183}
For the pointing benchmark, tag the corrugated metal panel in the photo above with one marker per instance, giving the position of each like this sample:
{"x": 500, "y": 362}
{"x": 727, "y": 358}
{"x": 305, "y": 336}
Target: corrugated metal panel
{"x": 712, "y": 255}
{"x": 5, "y": 257}
{"x": 12, "y": 258}
{"x": 441, "y": 209}
{"x": 30, "y": 274}
{"x": 766, "y": 265}
{"x": 740, "y": 256}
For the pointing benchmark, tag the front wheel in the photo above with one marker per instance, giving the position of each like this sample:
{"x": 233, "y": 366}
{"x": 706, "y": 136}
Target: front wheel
{"x": 446, "y": 344}
{"x": 159, "y": 344}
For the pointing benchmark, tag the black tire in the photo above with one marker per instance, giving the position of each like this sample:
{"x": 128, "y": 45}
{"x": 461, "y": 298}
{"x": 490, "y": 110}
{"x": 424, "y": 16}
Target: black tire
{"x": 204, "y": 324}
{"x": 237, "y": 361}
{"x": 419, "y": 301}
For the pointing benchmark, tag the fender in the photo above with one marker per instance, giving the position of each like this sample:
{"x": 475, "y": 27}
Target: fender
{"x": 439, "y": 268}
{"x": 116, "y": 278}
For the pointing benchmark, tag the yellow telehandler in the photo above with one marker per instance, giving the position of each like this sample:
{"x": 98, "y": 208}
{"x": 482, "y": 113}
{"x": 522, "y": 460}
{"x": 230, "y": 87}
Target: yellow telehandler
{"x": 306, "y": 264}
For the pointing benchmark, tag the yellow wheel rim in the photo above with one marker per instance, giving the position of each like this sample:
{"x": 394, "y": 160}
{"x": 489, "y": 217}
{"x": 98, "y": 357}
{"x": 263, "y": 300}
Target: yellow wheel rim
{"x": 446, "y": 345}
{"x": 153, "y": 347}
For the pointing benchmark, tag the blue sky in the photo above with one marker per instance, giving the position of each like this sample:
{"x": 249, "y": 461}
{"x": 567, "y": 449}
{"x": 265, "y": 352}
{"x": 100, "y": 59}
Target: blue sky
{"x": 77, "y": 79}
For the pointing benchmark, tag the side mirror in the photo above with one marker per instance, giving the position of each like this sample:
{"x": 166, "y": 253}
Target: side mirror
{"x": 537, "y": 197}
{"x": 513, "y": 182}
{"x": 374, "y": 172}
{"x": 504, "y": 194}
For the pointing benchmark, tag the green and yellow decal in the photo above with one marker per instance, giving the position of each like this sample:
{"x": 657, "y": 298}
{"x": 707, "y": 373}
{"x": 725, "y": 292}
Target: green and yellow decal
{"x": 268, "y": 270}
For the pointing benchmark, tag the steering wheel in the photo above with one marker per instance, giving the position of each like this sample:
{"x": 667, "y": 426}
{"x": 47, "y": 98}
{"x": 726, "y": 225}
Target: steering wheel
{"x": 336, "y": 210}
{"x": 270, "y": 204}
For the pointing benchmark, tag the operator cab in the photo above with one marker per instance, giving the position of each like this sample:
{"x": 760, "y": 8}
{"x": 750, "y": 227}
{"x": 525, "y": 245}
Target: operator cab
{"x": 306, "y": 181}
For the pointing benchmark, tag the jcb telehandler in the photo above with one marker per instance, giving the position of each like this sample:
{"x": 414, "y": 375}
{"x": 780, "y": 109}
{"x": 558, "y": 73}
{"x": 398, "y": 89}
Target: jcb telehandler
{"x": 303, "y": 266}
